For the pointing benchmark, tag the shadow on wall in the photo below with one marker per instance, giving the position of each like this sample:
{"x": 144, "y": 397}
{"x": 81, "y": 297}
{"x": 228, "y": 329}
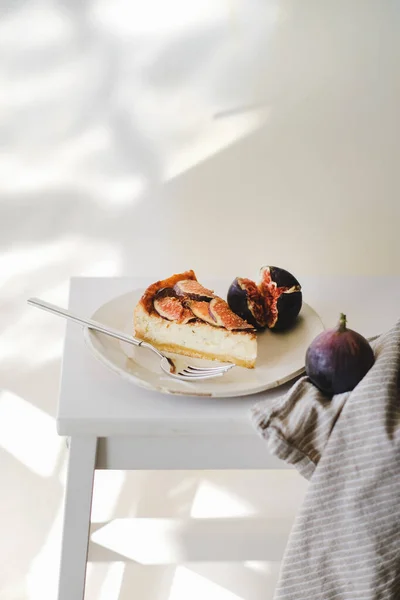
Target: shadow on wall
{"x": 300, "y": 182}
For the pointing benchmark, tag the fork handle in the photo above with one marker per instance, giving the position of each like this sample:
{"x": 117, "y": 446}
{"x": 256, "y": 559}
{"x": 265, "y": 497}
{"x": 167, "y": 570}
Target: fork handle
{"x": 61, "y": 312}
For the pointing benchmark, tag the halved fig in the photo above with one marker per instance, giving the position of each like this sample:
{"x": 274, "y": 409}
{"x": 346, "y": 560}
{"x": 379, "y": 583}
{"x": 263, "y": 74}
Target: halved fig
{"x": 193, "y": 290}
{"x": 224, "y": 317}
{"x": 200, "y": 310}
{"x": 245, "y": 299}
{"x": 282, "y": 295}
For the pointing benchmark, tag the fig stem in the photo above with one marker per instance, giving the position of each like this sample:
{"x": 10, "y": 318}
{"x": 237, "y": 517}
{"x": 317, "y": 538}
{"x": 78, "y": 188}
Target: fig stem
{"x": 342, "y": 322}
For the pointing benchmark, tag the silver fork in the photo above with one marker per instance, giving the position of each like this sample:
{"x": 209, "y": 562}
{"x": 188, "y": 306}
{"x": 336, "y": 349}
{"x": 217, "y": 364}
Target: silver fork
{"x": 187, "y": 373}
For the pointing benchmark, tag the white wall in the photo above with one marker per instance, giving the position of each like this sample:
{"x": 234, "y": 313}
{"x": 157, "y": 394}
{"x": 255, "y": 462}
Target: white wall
{"x": 144, "y": 137}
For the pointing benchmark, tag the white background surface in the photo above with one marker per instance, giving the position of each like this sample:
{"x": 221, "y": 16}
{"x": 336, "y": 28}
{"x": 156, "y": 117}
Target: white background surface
{"x": 112, "y": 162}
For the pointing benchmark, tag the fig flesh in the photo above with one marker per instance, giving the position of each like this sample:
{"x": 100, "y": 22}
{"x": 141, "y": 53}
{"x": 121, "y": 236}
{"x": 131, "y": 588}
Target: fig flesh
{"x": 338, "y": 359}
{"x": 201, "y": 311}
{"x": 189, "y": 288}
{"x": 169, "y": 307}
{"x": 282, "y": 296}
{"x": 245, "y": 299}
{"x": 165, "y": 292}
{"x": 224, "y": 317}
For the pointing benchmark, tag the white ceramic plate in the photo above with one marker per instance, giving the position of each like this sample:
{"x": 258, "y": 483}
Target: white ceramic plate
{"x": 280, "y": 355}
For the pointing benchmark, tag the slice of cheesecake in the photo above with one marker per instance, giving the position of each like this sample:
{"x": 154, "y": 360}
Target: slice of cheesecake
{"x": 179, "y": 315}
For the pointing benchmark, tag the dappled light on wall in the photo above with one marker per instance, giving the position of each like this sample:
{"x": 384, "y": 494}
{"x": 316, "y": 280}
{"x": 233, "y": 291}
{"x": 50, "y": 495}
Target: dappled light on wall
{"x": 154, "y": 17}
{"x": 188, "y": 584}
{"x": 212, "y": 501}
{"x": 27, "y": 433}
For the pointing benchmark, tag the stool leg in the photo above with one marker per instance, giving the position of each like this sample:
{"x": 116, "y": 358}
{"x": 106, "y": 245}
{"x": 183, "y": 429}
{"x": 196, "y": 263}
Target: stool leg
{"x": 78, "y": 504}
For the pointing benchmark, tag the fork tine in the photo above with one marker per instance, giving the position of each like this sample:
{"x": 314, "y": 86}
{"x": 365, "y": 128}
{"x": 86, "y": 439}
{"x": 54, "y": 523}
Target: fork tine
{"x": 188, "y": 370}
{"x": 188, "y": 375}
{"x": 202, "y": 373}
{"x": 192, "y": 373}
{"x": 209, "y": 369}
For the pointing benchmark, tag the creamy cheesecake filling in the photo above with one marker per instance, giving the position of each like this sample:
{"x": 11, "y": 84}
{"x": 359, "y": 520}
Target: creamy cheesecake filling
{"x": 197, "y": 338}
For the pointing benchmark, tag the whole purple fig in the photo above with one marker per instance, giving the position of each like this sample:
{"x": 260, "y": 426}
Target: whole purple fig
{"x": 338, "y": 359}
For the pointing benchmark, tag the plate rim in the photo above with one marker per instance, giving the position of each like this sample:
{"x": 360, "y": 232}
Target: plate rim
{"x": 88, "y": 334}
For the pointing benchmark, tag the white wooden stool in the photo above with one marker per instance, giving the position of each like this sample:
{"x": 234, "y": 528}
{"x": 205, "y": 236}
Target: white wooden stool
{"x": 112, "y": 424}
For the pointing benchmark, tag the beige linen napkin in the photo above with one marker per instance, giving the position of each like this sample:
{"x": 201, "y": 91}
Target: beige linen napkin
{"x": 345, "y": 542}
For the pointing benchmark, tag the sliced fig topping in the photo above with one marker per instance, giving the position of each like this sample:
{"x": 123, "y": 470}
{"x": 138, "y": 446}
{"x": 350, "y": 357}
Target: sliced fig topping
{"x": 149, "y": 294}
{"x": 169, "y": 307}
{"x": 200, "y": 310}
{"x": 194, "y": 290}
{"x": 282, "y": 297}
{"x": 224, "y": 317}
{"x": 187, "y": 316}
{"x": 245, "y": 299}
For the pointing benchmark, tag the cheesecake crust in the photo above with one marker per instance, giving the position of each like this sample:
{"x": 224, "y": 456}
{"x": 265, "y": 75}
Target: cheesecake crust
{"x": 176, "y": 349}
